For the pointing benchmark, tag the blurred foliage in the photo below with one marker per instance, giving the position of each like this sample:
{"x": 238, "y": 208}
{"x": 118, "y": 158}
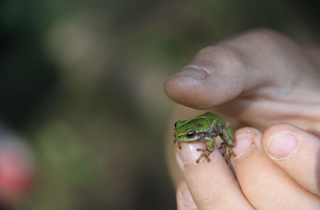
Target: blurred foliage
{"x": 83, "y": 81}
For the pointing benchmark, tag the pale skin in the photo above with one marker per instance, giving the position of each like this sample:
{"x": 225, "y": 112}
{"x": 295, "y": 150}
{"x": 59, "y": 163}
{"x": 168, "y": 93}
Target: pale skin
{"x": 268, "y": 87}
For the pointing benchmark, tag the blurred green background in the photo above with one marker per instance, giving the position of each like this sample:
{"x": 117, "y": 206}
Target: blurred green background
{"x": 83, "y": 82}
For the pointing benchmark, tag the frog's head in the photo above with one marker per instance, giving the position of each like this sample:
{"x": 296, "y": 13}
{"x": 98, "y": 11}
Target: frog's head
{"x": 187, "y": 132}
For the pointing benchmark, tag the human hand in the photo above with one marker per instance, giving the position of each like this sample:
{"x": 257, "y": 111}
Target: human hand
{"x": 257, "y": 79}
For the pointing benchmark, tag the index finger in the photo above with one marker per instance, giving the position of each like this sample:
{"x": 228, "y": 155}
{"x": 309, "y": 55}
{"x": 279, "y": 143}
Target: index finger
{"x": 211, "y": 184}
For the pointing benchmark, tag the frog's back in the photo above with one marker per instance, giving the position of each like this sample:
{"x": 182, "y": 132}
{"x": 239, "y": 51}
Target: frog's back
{"x": 197, "y": 121}
{"x": 212, "y": 117}
{"x": 204, "y": 121}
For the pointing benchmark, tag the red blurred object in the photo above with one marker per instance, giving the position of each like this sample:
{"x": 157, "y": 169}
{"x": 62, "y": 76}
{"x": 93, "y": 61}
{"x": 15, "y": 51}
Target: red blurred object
{"x": 16, "y": 170}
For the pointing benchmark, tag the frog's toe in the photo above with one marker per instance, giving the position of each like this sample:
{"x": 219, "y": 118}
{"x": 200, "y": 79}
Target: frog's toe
{"x": 223, "y": 145}
{"x": 198, "y": 160}
{"x": 205, "y": 153}
{"x": 203, "y": 150}
{"x": 227, "y": 152}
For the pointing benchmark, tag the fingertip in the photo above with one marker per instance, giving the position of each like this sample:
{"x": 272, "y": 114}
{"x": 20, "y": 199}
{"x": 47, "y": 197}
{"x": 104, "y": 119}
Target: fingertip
{"x": 215, "y": 75}
{"x": 189, "y": 153}
{"x": 245, "y": 139}
{"x": 185, "y": 91}
{"x": 296, "y": 152}
{"x": 280, "y": 141}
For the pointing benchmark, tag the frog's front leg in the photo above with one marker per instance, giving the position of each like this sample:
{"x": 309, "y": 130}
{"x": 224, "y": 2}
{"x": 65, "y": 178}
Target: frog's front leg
{"x": 179, "y": 143}
{"x": 206, "y": 151}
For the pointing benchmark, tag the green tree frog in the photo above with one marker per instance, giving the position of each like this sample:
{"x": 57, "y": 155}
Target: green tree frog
{"x": 205, "y": 128}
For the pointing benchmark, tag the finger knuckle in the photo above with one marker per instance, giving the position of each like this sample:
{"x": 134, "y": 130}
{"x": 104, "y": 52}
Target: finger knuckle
{"x": 226, "y": 58}
{"x": 267, "y": 40}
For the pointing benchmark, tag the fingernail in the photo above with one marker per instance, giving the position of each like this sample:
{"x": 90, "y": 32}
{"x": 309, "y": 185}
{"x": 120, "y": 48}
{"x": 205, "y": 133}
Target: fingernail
{"x": 186, "y": 197}
{"x": 193, "y": 71}
{"x": 188, "y": 154}
{"x": 282, "y": 146}
{"x": 243, "y": 143}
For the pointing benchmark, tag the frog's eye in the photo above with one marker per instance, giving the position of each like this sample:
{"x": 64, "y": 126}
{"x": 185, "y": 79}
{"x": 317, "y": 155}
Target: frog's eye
{"x": 175, "y": 125}
{"x": 191, "y": 134}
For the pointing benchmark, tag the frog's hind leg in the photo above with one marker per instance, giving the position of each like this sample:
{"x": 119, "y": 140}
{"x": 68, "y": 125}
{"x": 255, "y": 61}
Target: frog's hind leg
{"x": 226, "y": 151}
{"x": 226, "y": 134}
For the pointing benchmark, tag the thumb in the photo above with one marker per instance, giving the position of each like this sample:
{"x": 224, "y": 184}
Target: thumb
{"x": 260, "y": 63}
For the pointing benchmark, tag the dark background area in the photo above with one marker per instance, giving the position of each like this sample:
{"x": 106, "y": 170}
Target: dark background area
{"x": 83, "y": 82}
